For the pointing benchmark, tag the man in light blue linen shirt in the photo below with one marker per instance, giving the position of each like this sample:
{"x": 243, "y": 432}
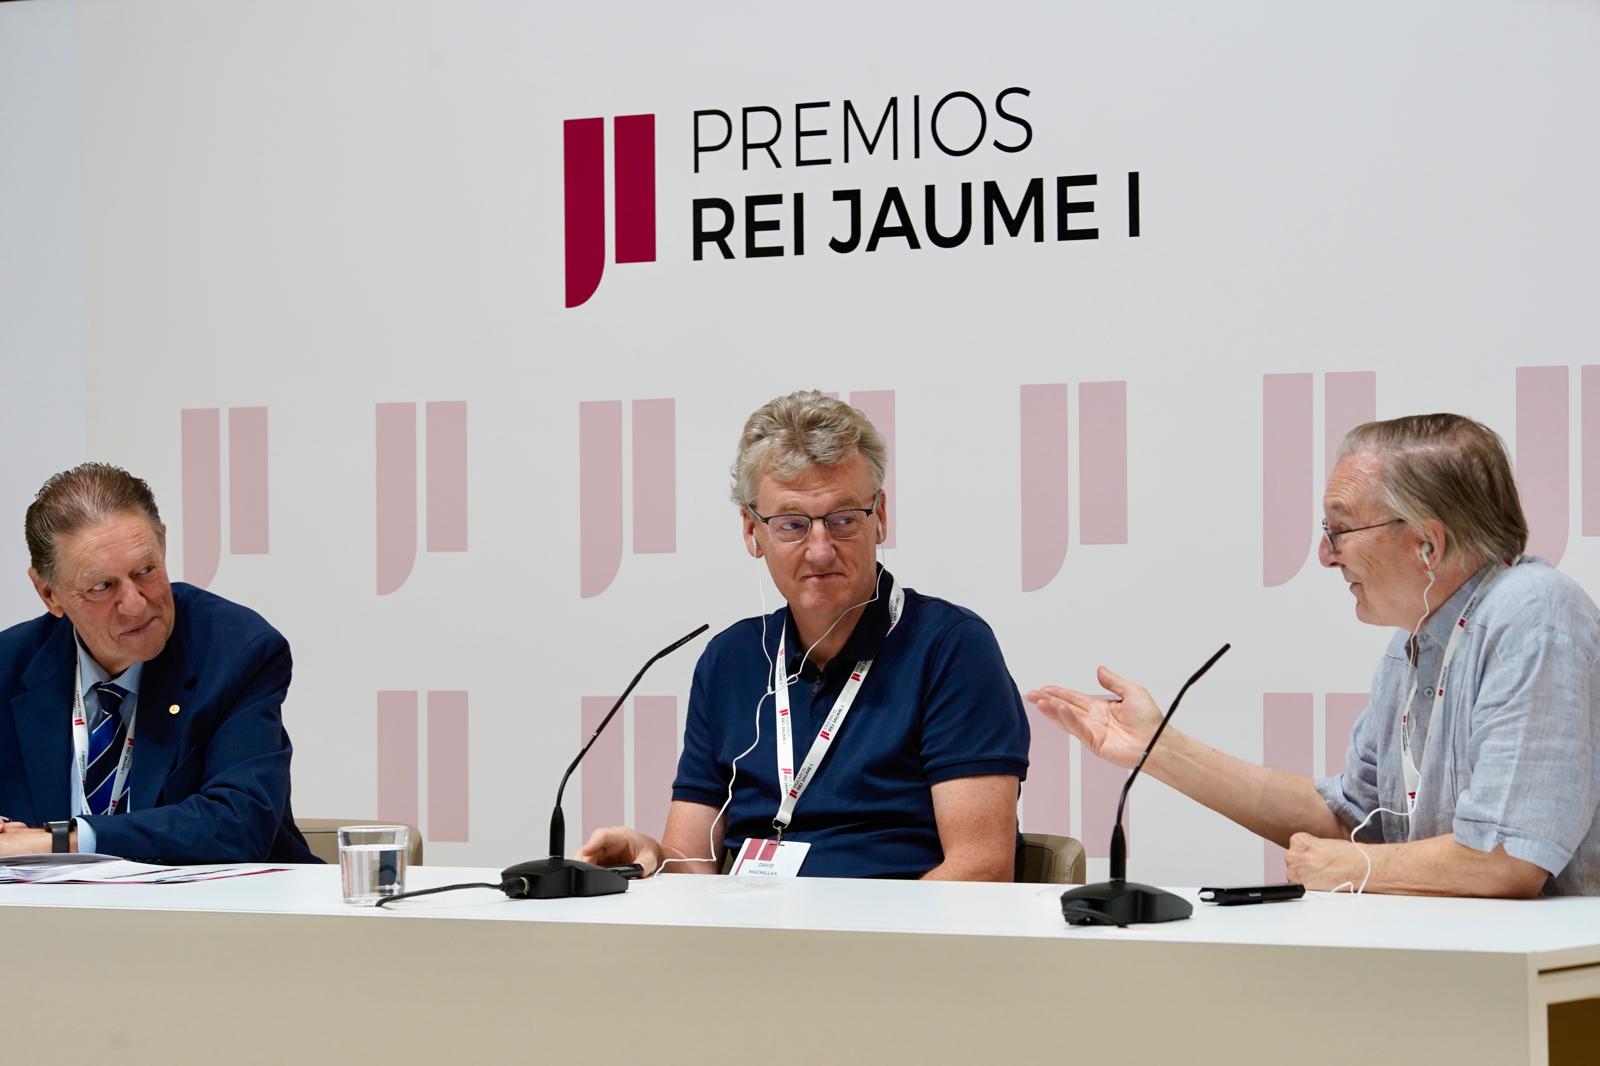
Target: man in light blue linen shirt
{"x": 1475, "y": 769}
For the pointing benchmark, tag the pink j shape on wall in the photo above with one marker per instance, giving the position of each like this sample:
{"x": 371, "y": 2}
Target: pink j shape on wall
{"x": 200, "y": 435}
{"x": 600, "y": 470}
{"x": 397, "y": 510}
{"x": 1102, "y": 473}
{"x": 1045, "y": 466}
{"x": 655, "y": 763}
{"x": 1542, "y": 450}
{"x": 634, "y": 188}
{"x": 401, "y": 776}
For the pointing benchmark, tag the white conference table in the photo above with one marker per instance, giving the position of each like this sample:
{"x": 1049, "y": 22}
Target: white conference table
{"x": 274, "y": 968}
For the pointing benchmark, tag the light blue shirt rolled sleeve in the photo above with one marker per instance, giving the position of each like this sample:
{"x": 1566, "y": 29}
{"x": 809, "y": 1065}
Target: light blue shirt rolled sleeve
{"x": 1353, "y": 794}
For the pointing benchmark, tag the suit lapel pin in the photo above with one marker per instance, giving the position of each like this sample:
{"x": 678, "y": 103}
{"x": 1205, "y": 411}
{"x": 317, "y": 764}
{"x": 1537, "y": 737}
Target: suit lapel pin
{"x": 173, "y": 709}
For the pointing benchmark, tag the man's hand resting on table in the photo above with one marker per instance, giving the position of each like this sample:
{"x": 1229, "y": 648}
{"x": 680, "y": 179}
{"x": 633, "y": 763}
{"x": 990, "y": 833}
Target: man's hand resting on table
{"x": 618, "y": 845}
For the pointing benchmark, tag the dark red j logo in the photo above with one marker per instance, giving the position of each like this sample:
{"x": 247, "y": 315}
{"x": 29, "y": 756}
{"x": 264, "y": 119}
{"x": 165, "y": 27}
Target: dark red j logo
{"x": 634, "y": 179}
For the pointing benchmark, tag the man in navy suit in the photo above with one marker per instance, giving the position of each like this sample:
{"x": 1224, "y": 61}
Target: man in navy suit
{"x": 137, "y": 718}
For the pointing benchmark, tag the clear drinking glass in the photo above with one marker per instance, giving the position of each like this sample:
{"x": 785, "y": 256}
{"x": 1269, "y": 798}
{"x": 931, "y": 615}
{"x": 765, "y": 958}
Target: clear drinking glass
{"x": 372, "y": 862}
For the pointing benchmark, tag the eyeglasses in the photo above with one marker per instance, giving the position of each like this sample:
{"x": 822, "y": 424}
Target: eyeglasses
{"x": 844, "y": 524}
{"x": 1333, "y": 535}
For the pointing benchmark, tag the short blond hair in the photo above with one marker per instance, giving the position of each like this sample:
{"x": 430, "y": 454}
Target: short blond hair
{"x": 1452, "y": 469}
{"x": 792, "y": 433}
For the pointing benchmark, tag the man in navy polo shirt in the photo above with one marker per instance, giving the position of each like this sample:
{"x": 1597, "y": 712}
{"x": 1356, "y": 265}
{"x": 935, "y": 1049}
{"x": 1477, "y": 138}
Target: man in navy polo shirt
{"x": 863, "y": 730}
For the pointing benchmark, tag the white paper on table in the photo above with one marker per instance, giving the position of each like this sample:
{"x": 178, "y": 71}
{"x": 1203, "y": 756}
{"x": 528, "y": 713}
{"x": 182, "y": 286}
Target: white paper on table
{"x": 178, "y": 875}
{"x": 105, "y": 870}
{"x": 46, "y": 865}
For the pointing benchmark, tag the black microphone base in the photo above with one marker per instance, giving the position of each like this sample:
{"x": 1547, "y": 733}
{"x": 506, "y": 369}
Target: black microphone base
{"x": 557, "y": 878}
{"x": 1122, "y": 903}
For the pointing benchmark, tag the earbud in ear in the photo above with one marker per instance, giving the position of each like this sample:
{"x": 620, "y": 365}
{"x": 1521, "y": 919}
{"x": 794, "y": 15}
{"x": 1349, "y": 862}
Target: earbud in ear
{"x": 1426, "y": 551}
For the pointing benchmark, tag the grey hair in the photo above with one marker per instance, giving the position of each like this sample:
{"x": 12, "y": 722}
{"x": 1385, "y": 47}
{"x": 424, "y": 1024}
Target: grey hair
{"x": 788, "y": 435}
{"x": 74, "y": 499}
{"x": 1452, "y": 469}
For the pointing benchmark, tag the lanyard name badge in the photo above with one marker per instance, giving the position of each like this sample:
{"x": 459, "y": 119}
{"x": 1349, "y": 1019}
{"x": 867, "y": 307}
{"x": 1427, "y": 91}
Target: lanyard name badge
{"x": 777, "y": 857}
{"x": 1408, "y": 762}
{"x": 80, "y": 747}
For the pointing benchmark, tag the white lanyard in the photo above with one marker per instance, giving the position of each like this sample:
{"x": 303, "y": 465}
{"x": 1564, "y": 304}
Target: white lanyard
{"x": 1408, "y": 762}
{"x": 792, "y": 784}
{"x": 80, "y": 746}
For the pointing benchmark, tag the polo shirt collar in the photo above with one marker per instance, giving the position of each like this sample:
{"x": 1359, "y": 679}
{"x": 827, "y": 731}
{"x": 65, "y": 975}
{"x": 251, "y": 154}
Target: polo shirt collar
{"x": 864, "y": 640}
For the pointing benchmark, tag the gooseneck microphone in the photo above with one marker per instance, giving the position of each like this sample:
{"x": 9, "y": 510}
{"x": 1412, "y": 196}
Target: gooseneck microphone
{"x": 558, "y": 877}
{"x": 1119, "y": 901}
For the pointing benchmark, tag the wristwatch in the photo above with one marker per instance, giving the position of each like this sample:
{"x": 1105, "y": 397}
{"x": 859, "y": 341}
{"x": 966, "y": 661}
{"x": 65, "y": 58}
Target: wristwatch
{"x": 60, "y": 836}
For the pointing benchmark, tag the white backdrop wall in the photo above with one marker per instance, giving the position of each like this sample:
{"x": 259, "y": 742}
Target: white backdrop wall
{"x": 42, "y": 426}
{"x": 303, "y": 266}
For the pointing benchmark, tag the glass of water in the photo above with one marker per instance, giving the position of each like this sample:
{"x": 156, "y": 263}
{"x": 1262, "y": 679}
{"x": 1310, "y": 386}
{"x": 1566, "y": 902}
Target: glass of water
{"x": 372, "y": 862}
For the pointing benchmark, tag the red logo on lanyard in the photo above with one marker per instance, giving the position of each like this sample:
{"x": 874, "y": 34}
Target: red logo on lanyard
{"x": 855, "y": 677}
{"x": 823, "y": 733}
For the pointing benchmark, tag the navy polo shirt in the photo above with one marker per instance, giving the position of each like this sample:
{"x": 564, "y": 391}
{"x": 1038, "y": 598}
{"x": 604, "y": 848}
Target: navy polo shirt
{"x": 938, "y": 704}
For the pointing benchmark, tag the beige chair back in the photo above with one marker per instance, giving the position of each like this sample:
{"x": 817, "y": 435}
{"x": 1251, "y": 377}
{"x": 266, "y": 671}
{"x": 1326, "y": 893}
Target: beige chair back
{"x": 322, "y": 836}
{"x": 1051, "y": 860}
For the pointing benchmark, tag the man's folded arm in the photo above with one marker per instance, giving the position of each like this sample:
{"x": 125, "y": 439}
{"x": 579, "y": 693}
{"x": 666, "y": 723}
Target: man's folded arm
{"x": 1437, "y": 866}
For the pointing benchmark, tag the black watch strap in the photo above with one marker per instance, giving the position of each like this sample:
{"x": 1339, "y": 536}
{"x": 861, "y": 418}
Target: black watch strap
{"x": 60, "y": 836}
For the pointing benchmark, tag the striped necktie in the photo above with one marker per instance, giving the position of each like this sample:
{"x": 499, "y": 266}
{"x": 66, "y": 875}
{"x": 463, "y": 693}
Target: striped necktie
{"x": 106, "y": 742}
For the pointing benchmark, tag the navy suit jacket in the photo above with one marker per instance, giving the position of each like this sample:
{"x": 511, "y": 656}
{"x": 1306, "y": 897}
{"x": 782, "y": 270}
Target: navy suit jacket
{"x": 208, "y": 784}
